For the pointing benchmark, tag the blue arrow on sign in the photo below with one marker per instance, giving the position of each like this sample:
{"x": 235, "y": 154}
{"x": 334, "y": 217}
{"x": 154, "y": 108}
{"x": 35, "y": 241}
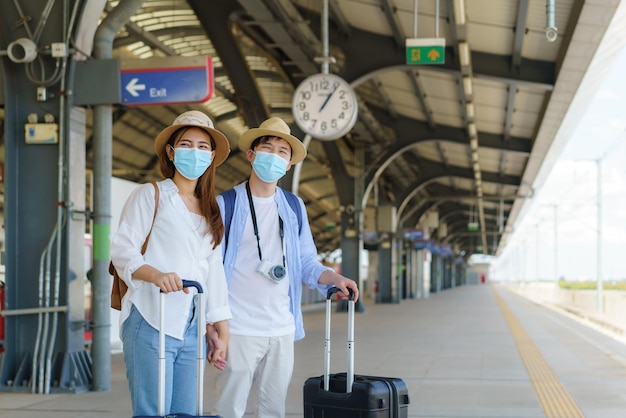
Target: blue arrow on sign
{"x": 172, "y": 80}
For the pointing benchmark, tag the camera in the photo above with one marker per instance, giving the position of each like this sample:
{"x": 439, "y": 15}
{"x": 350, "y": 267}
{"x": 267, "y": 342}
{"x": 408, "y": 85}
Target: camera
{"x": 273, "y": 272}
{"x": 551, "y": 33}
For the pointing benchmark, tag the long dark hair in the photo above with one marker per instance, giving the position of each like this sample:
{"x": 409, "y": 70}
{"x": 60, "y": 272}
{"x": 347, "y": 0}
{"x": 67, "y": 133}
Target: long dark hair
{"x": 205, "y": 188}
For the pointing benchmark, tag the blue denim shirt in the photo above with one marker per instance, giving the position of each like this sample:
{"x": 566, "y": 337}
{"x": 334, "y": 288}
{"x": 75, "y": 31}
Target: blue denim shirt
{"x": 302, "y": 262}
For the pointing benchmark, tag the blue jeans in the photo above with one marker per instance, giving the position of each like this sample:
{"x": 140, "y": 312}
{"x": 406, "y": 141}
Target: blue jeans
{"x": 141, "y": 355}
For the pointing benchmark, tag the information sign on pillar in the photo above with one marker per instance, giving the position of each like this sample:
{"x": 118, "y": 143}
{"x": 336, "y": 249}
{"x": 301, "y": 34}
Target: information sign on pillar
{"x": 168, "y": 80}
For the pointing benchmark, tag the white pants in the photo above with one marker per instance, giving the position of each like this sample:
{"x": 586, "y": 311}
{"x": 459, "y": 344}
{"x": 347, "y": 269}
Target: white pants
{"x": 264, "y": 364}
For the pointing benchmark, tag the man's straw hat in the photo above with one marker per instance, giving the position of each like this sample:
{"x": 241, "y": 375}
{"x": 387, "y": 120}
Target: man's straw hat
{"x": 274, "y": 127}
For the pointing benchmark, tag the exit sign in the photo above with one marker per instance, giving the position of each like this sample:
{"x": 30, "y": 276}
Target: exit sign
{"x": 425, "y": 50}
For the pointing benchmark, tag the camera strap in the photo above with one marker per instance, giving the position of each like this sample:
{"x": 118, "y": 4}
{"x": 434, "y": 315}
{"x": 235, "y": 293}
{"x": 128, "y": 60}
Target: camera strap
{"x": 281, "y": 229}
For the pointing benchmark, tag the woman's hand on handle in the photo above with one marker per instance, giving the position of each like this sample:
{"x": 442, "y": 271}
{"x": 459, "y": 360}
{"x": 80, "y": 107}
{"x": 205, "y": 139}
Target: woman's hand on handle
{"x": 167, "y": 282}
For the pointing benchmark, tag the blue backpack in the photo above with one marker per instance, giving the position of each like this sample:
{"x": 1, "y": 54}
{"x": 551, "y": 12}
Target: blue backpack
{"x": 229, "y": 202}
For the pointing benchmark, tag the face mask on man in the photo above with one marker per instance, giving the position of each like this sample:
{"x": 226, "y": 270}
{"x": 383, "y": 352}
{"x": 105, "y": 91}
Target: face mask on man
{"x": 269, "y": 167}
{"x": 191, "y": 163}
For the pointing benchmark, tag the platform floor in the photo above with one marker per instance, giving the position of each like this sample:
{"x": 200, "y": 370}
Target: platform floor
{"x": 472, "y": 351}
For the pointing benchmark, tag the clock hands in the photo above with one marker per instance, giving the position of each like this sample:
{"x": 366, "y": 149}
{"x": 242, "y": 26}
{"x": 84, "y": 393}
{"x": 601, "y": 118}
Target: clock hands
{"x": 328, "y": 97}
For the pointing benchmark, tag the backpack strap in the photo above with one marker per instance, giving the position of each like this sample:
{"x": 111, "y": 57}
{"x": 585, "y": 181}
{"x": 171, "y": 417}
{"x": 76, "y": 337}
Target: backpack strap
{"x": 229, "y": 203}
{"x": 292, "y": 199}
{"x": 156, "y": 206}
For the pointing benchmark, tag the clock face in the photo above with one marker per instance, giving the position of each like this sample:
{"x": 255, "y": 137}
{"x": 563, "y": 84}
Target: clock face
{"x": 325, "y": 106}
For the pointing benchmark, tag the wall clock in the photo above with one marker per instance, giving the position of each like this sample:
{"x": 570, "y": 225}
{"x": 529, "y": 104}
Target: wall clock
{"x": 325, "y": 106}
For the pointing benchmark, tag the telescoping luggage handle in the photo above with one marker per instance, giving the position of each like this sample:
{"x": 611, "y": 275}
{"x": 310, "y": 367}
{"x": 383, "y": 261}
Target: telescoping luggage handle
{"x": 199, "y": 358}
{"x": 350, "y": 341}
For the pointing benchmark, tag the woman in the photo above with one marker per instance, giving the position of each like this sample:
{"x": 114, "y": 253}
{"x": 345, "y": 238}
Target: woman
{"x": 184, "y": 243}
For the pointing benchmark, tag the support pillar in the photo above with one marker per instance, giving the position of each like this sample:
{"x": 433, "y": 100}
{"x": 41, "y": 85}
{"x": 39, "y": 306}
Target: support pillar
{"x": 350, "y": 255}
{"x": 411, "y": 271}
{"x": 388, "y": 272}
{"x": 44, "y": 317}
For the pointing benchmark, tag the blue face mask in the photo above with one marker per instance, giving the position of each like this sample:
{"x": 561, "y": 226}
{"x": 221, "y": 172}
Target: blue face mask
{"x": 191, "y": 163}
{"x": 269, "y": 167}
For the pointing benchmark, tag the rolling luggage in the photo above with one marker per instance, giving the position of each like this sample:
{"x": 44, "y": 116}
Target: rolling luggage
{"x": 199, "y": 359}
{"x": 344, "y": 395}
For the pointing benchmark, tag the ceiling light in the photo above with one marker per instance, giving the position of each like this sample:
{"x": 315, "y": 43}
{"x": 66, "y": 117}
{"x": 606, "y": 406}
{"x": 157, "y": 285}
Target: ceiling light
{"x": 464, "y": 54}
{"x": 475, "y": 156}
{"x": 469, "y": 109}
{"x": 467, "y": 86}
{"x": 459, "y": 12}
{"x": 471, "y": 128}
{"x": 474, "y": 143}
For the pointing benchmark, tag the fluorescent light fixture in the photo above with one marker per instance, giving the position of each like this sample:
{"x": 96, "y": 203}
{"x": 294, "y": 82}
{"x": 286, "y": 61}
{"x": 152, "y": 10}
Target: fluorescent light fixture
{"x": 475, "y": 156}
{"x": 464, "y": 54}
{"x": 469, "y": 109}
{"x": 476, "y": 168}
{"x": 474, "y": 143}
{"x": 459, "y": 12}
{"x": 467, "y": 86}
{"x": 471, "y": 128}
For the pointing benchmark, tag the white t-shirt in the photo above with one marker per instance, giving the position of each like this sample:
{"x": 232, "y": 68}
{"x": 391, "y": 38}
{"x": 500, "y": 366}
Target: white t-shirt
{"x": 261, "y": 306}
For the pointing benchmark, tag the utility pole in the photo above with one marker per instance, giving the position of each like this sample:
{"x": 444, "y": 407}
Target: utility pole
{"x": 599, "y": 303}
{"x": 607, "y": 152}
{"x": 537, "y": 251}
{"x": 556, "y": 244}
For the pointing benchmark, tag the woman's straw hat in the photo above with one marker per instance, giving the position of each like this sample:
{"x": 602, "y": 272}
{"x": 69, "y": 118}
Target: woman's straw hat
{"x": 196, "y": 119}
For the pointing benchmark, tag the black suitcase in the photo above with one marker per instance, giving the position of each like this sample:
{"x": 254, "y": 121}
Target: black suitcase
{"x": 199, "y": 359}
{"x": 344, "y": 395}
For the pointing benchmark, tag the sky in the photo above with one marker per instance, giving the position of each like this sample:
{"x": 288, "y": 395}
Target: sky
{"x": 569, "y": 199}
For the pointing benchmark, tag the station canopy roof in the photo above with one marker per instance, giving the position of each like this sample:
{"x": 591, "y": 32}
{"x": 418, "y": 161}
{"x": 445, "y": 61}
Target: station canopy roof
{"x": 455, "y": 148}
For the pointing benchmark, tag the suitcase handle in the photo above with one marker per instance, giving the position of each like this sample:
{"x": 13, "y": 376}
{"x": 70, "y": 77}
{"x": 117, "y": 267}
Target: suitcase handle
{"x": 192, "y": 283}
{"x": 335, "y": 289}
{"x": 350, "y": 341}
{"x": 200, "y": 352}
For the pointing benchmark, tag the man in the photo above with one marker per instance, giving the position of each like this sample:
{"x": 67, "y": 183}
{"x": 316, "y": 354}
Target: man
{"x": 268, "y": 254}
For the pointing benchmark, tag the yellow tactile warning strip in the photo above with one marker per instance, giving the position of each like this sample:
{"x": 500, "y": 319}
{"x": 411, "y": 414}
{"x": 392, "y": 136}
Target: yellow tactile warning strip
{"x": 555, "y": 401}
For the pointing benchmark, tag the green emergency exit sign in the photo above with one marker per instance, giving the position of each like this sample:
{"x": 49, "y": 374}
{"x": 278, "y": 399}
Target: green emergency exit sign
{"x": 425, "y": 50}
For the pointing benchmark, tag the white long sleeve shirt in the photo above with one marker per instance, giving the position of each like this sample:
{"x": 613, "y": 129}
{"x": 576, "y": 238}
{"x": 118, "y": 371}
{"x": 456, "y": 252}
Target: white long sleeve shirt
{"x": 179, "y": 243}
